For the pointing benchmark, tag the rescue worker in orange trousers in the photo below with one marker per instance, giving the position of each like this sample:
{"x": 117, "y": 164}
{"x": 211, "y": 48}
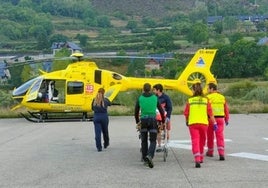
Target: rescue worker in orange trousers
{"x": 221, "y": 114}
{"x": 196, "y": 112}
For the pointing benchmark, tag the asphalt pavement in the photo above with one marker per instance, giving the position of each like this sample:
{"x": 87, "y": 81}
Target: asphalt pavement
{"x": 63, "y": 154}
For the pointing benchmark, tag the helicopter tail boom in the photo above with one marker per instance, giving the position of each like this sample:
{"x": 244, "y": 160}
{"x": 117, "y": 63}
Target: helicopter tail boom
{"x": 197, "y": 69}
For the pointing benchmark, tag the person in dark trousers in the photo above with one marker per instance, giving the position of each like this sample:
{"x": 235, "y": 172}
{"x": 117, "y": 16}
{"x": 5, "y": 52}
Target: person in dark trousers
{"x": 166, "y": 104}
{"x": 100, "y": 119}
{"x": 145, "y": 113}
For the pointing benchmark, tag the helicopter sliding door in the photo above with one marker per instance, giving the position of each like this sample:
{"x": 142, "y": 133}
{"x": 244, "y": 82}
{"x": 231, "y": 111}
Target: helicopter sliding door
{"x": 75, "y": 93}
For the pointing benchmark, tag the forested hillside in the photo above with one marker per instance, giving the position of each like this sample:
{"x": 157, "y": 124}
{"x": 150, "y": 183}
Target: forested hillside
{"x": 156, "y": 9}
{"x": 151, "y": 26}
{"x": 29, "y": 27}
{"x": 163, "y": 8}
{"x": 32, "y": 25}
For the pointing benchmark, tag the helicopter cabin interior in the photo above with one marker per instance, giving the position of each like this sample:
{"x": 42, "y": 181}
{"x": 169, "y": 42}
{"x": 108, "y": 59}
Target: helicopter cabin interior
{"x": 56, "y": 91}
{"x": 60, "y": 91}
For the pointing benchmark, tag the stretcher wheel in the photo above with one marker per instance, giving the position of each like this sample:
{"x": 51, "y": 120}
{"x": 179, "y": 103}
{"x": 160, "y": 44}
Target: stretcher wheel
{"x": 165, "y": 153}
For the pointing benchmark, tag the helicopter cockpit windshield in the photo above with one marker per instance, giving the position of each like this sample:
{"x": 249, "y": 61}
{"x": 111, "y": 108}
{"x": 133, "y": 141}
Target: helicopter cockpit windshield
{"x": 22, "y": 90}
{"x": 34, "y": 90}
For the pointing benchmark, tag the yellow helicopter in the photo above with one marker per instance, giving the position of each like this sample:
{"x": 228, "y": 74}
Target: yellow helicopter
{"x": 73, "y": 89}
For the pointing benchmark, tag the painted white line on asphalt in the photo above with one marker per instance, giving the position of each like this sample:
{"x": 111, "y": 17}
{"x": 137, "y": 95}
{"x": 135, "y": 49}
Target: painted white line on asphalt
{"x": 250, "y": 156}
{"x": 184, "y": 144}
{"x": 181, "y": 146}
{"x": 180, "y": 141}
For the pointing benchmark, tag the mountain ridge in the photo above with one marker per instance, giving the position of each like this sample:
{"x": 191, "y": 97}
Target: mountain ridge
{"x": 155, "y": 8}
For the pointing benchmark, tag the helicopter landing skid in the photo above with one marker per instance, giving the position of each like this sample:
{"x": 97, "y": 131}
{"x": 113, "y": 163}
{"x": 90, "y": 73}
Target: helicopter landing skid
{"x": 38, "y": 117}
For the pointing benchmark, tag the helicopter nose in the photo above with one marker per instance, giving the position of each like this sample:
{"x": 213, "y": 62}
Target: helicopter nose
{"x": 18, "y": 99}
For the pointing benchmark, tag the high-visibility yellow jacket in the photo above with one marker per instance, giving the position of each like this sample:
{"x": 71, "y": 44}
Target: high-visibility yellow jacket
{"x": 217, "y": 101}
{"x": 198, "y": 111}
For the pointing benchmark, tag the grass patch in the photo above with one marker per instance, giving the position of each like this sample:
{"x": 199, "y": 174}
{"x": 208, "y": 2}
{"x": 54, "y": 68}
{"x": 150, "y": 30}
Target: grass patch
{"x": 119, "y": 23}
{"x": 7, "y": 113}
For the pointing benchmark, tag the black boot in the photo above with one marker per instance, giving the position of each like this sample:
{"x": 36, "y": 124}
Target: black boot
{"x": 197, "y": 165}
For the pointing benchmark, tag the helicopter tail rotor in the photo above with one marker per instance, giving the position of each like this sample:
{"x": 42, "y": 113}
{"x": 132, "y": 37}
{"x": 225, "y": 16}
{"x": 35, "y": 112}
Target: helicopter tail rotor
{"x": 198, "y": 70}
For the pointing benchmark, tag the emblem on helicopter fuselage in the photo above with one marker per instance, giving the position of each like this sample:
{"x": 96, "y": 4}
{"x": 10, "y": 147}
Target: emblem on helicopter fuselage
{"x": 200, "y": 62}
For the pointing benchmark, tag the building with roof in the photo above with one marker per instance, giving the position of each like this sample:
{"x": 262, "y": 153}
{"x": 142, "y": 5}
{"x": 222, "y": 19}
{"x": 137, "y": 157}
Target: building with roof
{"x": 151, "y": 65}
{"x": 212, "y": 19}
{"x": 252, "y": 18}
{"x": 56, "y": 46}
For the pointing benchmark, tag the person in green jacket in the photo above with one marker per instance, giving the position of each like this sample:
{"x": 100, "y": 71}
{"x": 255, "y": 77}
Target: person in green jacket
{"x": 145, "y": 113}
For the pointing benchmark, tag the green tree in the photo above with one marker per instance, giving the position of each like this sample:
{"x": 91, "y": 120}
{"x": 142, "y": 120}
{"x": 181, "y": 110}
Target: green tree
{"x": 170, "y": 68}
{"x": 263, "y": 61}
{"x": 120, "y": 60}
{"x": 235, "y": 37}
{"x": 230, "y": 23}
{"x": 261, "y": 26}
{"x": 25, "y": 3}
{"x": 136, "y": 68}
{"x": 238, "y": 60}
{"x": 82, "y": 39}
{"x": 44, "y": 21}
{"x": 198, "y": 34}
{"x": 5, "y": 99}
{"x": 245, "y": 60}
{"x": 222, "y": 64}
{"x": 103, "y": 21}
{"x": 42, "y": 42}
{"x": 218, "y": 26}
{"x": 26, "y": 73}
{"x": 181, "y": 28}
{"x": 90, "y": 17}
{"x": 163, "y": 40}
{"x": 15, "y": 72}
{"x": 248, "y": 26}
{"x": 11, "y": 30}
{"x": 58, "y": 38}
{"x": 132, "y": 24}
{"x": 199, "y": 12}
{"x": 36, "y": 30}
{"x": 149, "y": 22}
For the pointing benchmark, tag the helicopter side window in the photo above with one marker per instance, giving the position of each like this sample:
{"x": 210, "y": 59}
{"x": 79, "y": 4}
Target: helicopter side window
{"x": 75, "y": 88}
{"x": 97, "y": 76}
{"x": 117, "y": 76}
